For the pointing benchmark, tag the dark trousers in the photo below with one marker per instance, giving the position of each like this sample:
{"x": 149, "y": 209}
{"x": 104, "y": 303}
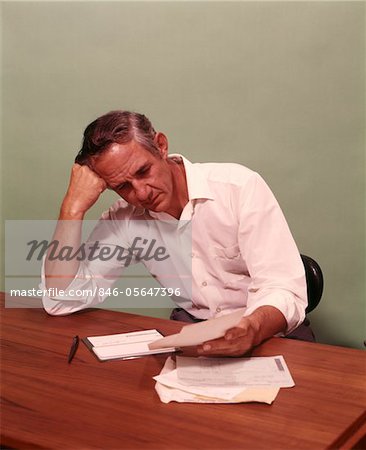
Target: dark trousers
{"x": 303, "y": 332}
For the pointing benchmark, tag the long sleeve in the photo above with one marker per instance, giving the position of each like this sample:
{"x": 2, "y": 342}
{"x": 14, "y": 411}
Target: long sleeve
{"x": 271, "y": 255}
{"x": 97, "y": 272}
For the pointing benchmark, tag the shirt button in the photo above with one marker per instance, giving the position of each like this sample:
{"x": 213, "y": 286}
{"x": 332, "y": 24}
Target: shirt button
{"x": 204, "y": 283}
{"x": 192, "y": 255}
{"x": 218, "y": 310}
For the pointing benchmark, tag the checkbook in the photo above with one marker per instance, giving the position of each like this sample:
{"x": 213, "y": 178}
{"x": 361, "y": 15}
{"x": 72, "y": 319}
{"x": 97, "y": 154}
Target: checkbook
{"x": 125, "y": 345}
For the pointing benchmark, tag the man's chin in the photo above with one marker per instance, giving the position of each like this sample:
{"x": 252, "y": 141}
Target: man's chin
{"x": 155, "y": 208}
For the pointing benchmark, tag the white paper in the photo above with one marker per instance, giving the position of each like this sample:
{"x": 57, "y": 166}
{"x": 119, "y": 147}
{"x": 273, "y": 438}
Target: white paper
{"x": 169, "y": 389}
{"x": 224, "y": 392}
{"x": 126, "y": 345}
{"x": 197, "y": 333}
{"x": 231, "y": 372}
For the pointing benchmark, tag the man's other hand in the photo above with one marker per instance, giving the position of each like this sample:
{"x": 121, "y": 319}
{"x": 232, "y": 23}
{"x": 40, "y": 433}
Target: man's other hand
{"x": 263, "y": 323}
{"x": 236, "y": 342}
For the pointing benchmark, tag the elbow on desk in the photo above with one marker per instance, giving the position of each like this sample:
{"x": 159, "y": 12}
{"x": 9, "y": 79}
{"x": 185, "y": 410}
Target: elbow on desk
{"x": 56, "y": 307}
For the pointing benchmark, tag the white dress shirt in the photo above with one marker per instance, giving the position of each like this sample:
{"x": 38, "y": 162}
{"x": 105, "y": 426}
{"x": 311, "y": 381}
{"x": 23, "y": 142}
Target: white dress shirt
{"x": 241, "y": 251}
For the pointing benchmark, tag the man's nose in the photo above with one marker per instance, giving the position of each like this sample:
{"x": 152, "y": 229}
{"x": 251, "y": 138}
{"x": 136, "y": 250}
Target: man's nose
{"x": 141, "y": 191}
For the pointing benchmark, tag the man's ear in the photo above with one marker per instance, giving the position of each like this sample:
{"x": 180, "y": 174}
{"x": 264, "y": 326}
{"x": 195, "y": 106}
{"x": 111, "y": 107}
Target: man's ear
{"x": 161, "y": 142}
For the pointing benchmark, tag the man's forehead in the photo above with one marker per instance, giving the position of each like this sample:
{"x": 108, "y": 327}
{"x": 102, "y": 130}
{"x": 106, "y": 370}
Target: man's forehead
{"x": 122, "y": 160}
{"x": 129, "y": 147}
{"x": 129, "y": 152}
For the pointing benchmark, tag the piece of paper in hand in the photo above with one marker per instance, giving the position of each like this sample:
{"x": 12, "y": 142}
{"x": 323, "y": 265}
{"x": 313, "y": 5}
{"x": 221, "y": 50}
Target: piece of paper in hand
{"x": 197, "y": 333}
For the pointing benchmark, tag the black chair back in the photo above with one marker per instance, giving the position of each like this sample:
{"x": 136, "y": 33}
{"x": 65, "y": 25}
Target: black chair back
{"x": 314, "y": 281}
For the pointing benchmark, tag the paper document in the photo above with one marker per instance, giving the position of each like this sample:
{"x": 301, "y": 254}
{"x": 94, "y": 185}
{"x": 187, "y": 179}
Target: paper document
{"x": 169, "y": 388}
{"x": 233, "y": 372}
{"x": 125, "y": 345}
{"x": 197, "y": 333}
{"x": 171, "y": 379}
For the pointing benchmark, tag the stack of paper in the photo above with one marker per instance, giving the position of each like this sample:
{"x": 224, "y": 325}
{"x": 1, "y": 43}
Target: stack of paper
{"x": 217, "y": 380}
{"x": 222, "y": 380}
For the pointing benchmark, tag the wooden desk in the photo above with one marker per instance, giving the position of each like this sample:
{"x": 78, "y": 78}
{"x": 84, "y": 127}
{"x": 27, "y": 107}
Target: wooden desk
{"x": 47, "y": 403}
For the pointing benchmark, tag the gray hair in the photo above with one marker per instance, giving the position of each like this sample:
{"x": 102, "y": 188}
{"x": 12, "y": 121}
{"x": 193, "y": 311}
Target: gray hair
{"x": 116, "y": 127}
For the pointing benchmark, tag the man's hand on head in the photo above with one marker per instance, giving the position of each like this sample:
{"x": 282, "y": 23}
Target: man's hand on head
{"x": 84, "y": 189}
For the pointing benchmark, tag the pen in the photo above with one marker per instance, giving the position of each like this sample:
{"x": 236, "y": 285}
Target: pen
{"x": 73, "y": 349}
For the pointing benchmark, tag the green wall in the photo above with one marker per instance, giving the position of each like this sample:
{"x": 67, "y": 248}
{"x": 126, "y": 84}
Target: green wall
{"x": 276, "y": 86}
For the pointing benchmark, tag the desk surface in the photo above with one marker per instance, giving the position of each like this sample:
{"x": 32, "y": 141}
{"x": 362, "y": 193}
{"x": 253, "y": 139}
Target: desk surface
{"x": 47, "y": 403}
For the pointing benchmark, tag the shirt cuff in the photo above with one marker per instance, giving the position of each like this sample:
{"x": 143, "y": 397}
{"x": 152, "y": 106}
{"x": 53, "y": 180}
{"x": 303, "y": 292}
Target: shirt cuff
{"x": 291, "y": 306}
{"x": 65, "y": 301}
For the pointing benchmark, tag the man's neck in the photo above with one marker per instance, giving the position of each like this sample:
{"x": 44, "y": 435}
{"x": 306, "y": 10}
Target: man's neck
{"x": 180, "y": 189}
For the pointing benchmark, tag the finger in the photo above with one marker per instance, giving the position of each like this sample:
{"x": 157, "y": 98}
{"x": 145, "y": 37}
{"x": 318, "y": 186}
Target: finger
{"x": 243, "y": 328}
{"x": 236, "y": 333}
{"x": 189, "y": 351}
{"x": 213, "y": 344}
{"x": 222, "y": 347}
{"x": 225, "y": 352}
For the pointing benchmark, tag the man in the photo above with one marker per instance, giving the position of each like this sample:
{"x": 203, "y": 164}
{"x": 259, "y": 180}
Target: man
{"x": 243, "y": 254}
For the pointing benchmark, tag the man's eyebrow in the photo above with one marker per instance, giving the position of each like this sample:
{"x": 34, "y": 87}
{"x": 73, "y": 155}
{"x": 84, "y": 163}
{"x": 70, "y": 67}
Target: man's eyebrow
{"x": 116, "y": 186}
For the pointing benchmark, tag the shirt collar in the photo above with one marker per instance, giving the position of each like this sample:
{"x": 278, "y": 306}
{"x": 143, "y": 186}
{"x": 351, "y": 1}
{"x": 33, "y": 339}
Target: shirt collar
{"x": 197, "y": 185}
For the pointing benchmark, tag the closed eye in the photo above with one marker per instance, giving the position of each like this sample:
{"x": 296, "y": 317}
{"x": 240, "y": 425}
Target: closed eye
{"x": 140, "y": 173}
{"x": 143, "y": 171}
